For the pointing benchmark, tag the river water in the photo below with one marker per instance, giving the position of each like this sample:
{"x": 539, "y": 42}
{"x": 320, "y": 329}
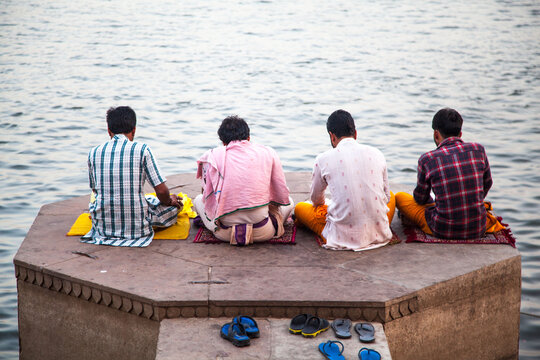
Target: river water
{"x": 282, "y": 65}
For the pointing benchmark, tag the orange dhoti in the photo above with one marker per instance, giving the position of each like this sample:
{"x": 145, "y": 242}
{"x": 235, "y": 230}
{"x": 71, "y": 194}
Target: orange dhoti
{"x": 314, "y": 217}
{"x": 417, "y": 214}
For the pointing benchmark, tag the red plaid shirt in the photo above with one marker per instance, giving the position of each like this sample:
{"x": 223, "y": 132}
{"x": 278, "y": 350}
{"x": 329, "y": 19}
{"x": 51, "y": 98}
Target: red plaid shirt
{"x": 460, "y": 177}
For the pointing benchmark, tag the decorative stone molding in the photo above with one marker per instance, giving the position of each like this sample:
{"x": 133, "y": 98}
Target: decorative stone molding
{"x": 157, "y": 313}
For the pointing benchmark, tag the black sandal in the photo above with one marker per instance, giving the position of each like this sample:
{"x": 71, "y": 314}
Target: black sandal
{"x": 314, "y": 326}
{"x": 298, "y": 322}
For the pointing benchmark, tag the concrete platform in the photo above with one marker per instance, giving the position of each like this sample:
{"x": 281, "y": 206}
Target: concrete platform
{"x": 191, "y": 336}
{"x": 434, "y": 301}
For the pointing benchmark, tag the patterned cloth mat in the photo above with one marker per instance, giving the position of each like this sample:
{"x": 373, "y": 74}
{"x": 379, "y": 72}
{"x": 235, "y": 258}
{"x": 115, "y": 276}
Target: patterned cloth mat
{"x": 415, "y": 234}
{"x": 205, "y": 236}
{"x": 395, "y": 239}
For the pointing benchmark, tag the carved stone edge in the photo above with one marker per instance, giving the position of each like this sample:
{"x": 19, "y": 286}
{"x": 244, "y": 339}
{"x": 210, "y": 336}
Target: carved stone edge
{"x": 382, "y": 314}
{"x": 87, "y": 293}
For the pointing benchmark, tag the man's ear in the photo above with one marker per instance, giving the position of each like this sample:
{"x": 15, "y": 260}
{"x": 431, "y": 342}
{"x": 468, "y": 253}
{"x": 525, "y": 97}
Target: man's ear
{"x": 354, "y": 135}
{"x": 333, "y": 138}
{"x": 110, "y": 133}
{"x": 437, "y": 137}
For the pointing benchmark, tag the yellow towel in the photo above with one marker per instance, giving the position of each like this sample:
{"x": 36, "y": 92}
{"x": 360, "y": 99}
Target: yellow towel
{"x": 178, "y": 231}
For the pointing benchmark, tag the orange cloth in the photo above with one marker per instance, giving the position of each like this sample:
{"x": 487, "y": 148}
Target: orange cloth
{"x": 314, "y": 217}
{"x": 416, "y": 213}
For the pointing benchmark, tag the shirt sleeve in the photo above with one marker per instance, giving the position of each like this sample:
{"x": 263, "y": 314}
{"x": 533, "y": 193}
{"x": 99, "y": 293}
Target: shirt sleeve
{"x": 91, "y": 179}
{"x": 318, "y": 185}
{"x": 386, "y": 184}
{"x": 423, "y": 186}
{"x": 151, "y": 168}
{"x": 488, "y": 181}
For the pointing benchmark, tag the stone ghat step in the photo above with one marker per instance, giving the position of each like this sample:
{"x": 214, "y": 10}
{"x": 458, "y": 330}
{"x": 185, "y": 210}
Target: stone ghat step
{"x": 200, "y": 339}
{"x": 71, "y": 305}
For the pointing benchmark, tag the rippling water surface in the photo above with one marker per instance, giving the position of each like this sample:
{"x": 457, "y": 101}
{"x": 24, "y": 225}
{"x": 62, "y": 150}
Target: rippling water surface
{"x": 282, "y": 65}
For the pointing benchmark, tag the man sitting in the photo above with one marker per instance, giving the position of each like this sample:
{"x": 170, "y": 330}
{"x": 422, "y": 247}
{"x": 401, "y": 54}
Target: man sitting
{"x": 459, "y": 175}
{"x": 362, "y": 206}
{"x": 245, "y": 198}
{"x": 121, "y": 214}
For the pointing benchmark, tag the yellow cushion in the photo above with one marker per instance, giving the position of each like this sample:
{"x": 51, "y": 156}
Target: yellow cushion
{"x": 178, "y": 231}
{"x": 82, "y": 225}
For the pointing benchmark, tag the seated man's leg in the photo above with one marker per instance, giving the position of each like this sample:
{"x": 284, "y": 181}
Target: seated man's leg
{"x": 413, "y": 211}
{"x": 285, "y": 211}
{"x": 219, "y": 233}
{"x": 199, "y": 208}
{"x": 314, "y": 218}
{"x": 162, "y": 216}
{"x": 391, "y": 207}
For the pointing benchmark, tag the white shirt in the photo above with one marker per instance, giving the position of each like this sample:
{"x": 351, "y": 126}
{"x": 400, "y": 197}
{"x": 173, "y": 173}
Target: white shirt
{"x": 357, "y": 179}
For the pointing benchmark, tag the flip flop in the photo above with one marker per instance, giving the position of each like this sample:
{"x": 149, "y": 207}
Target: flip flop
{"x": 249, "y": 324}
{"x": 331, "y": 350}
{"x": 298, "y": 322}
{"x": 314, "y": 326}
{"x": 368, "y": 354}
{"x": 366, "y": 332}
{"x": 342, "y": 328}
{"x": 235, "y": 333}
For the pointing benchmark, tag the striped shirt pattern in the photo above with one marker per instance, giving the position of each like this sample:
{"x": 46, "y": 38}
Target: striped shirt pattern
{"x": 121, "y": 215}
{"x": 460, "y": 177}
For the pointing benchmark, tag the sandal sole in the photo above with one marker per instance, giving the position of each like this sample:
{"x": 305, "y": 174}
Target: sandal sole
{"x": 314, "y": 334}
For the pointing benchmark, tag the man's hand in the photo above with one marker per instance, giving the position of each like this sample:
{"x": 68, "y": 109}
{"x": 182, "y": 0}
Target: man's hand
{"x": 175, "y": 201}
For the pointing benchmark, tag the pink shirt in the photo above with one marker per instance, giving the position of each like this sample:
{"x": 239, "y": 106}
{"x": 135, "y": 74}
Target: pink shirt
{"x": 241, "y": 176}
{"x": 357, "y": 179}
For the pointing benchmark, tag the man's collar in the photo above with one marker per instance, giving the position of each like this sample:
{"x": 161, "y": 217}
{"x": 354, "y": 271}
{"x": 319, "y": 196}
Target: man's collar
{"x": 347, "y": 139}
{"x": 119, "y": 137}
{"x": 450, "y": 140}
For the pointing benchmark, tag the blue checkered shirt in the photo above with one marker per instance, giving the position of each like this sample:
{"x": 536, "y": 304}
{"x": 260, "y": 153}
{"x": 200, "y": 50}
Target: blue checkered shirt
{"x": 117, "y": 171}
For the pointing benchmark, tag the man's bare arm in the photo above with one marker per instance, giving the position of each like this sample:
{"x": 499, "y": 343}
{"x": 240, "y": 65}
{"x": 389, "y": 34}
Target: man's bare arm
{"x": 165, "y": 197}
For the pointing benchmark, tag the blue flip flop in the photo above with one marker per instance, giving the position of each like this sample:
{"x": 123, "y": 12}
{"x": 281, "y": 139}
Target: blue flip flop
{"x": 368, "y": 354}
{"x": 249, "y": 324}
{"x": 332, "y": 350}
{"x": 235, "y": 333}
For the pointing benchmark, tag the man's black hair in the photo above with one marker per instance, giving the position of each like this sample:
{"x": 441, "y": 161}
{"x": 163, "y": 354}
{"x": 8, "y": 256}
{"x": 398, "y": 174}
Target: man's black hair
{"x": 233, "y": 128}
{"x": 448, "y": 122}
{"x": 340, "y": 123}
{"x": 121, "y": 119}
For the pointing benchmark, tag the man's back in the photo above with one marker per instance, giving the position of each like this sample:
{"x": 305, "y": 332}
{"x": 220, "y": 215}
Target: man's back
{"x": 356, "y": 176}
{"x": 460, "y": 177}
{"x": 117, "y": 172}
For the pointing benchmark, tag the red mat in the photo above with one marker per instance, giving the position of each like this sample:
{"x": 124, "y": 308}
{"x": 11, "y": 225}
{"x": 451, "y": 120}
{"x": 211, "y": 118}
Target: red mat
{"x": 415, "y": 234}
{"x": 205, "y": 236}
{"x": 395, "y": 239}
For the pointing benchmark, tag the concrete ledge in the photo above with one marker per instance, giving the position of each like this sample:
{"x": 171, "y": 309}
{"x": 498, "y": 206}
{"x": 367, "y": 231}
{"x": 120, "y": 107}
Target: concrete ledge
{"x": 430, "y": 298}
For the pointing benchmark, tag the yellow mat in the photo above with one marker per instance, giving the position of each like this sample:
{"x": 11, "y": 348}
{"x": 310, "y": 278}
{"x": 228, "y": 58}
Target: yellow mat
{"x": 178, "y": 231}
